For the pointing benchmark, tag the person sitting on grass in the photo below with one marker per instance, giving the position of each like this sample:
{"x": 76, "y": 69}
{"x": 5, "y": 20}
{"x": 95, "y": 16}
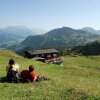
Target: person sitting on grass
{"x": 12, "y": 71}
{"x": 29, "y": 75}
{"x": 15, "y": 67}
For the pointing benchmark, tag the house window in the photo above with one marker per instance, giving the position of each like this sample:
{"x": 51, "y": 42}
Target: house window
{"x": 48, "y": 55}
{"x": 54, "y": 55}
{"x": 42, "y": 55}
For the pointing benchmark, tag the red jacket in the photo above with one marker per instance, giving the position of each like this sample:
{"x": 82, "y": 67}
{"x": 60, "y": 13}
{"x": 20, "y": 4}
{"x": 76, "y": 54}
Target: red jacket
{"x": 28, "y": 75}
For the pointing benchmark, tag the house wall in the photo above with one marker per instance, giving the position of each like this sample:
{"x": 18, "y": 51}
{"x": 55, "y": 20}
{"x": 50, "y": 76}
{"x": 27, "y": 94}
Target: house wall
{"x": 45, "y": 55}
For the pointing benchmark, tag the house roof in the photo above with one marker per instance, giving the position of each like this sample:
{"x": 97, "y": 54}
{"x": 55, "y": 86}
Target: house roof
{"x": 42, "y": 51}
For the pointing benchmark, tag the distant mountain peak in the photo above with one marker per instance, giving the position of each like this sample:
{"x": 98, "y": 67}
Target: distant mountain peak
{"x": 90, "y": 29}
{"x": 66, "y": 28}
{"x": 15, "y": 27}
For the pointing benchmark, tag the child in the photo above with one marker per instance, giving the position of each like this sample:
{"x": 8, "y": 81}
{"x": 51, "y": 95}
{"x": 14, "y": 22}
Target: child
{"x": 29, "y": 75}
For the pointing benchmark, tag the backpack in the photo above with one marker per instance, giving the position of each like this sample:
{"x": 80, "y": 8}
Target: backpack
{"x": 24, "y": 76}
{"x": 11, "y": 76}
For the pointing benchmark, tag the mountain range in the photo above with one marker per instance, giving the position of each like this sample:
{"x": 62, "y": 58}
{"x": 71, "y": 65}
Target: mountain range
{"x": 61, "y": 37}
{"x": 16, "y": 34}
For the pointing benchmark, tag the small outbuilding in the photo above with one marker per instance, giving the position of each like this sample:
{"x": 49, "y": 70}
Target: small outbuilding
{"x": 42, "y": 53}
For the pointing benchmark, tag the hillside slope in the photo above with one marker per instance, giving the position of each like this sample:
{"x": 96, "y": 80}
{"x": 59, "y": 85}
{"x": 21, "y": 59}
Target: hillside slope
{"x": 79, "y": 78}
{"x": 92, "y": 48}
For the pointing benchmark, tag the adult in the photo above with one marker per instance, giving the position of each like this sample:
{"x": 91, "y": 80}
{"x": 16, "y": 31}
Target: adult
{"x": 12, "y": 71}
{"x": 12, "y": 65}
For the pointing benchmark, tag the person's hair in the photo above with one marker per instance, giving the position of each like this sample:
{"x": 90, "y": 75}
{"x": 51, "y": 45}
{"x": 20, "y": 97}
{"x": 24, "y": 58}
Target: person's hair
{"x": 31, "y": 68}
{"x": 11, "y": 62}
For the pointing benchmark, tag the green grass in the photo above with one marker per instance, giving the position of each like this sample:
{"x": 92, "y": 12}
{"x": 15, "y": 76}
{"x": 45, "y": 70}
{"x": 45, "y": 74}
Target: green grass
{"x": 78, "y": 79}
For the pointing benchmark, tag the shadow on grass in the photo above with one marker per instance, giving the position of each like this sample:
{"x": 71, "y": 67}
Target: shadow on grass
{"x": 2, "y": 79}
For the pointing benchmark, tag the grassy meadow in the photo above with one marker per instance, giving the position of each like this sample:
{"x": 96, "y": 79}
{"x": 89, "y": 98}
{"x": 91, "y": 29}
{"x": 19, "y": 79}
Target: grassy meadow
{"x": 78, "y": 79}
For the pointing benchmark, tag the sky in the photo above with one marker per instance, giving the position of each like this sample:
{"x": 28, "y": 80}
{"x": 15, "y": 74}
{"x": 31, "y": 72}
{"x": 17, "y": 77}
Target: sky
{"x": 50, "y": 14}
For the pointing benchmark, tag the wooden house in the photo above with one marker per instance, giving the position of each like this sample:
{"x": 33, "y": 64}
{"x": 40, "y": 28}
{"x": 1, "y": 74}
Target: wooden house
{"x": 43, "y": 53}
